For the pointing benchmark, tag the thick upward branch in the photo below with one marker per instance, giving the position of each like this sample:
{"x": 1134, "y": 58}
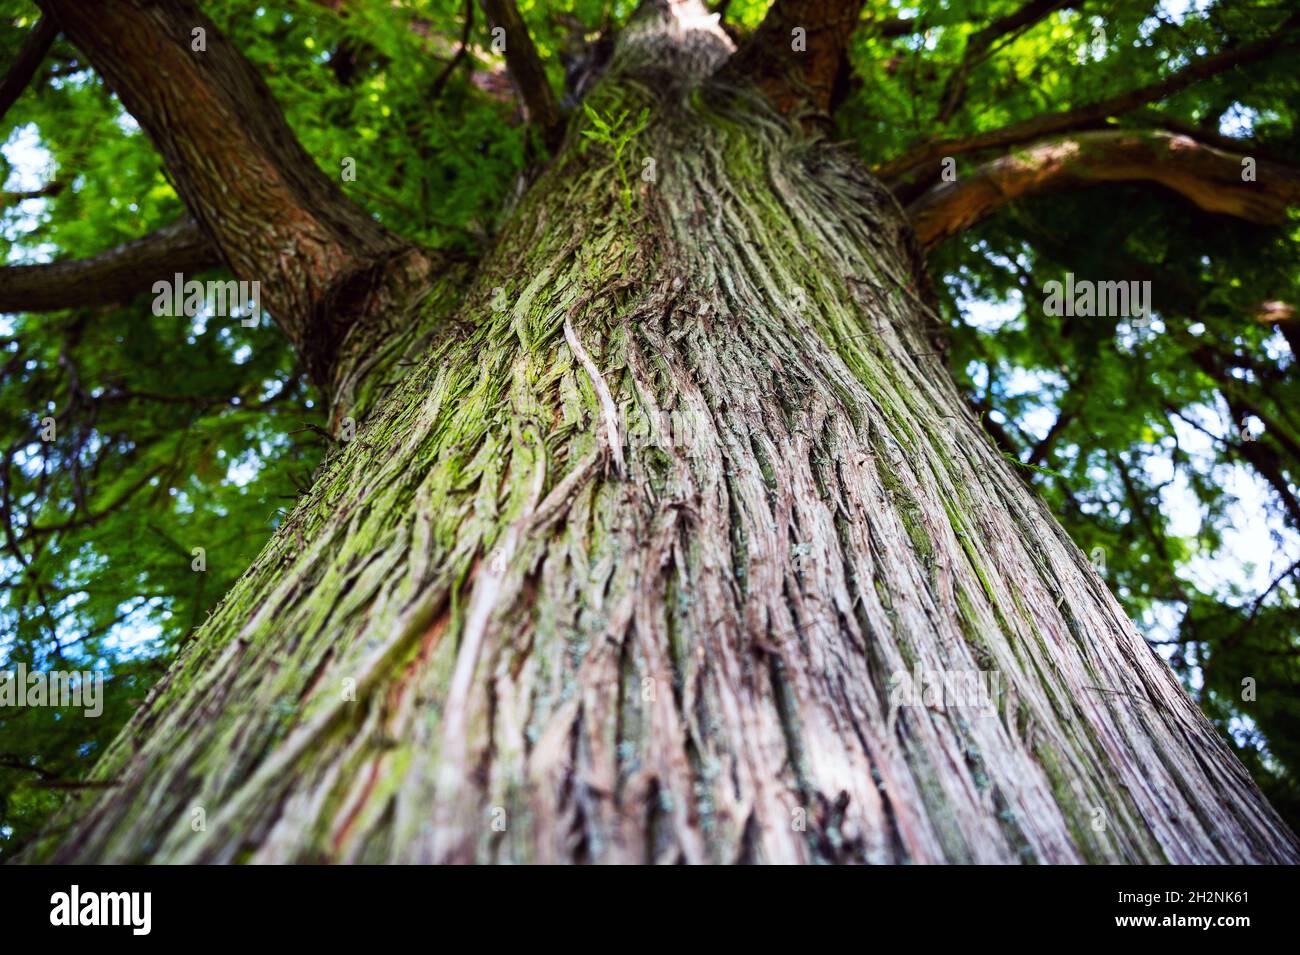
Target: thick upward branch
{"x": 672, "y": 658}
{"x": 114, "y": 275}
{"x": 274, "y": 216}
{"x": 1209, "y": 177}
{"x": 526, "y": 69}
{"x": 1075, "y": 119}
{"x": 795, "y": 53}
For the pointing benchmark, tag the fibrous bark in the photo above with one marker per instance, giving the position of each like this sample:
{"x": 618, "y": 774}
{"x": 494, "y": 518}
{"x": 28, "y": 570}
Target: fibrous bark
{"x": 623, "y": 570}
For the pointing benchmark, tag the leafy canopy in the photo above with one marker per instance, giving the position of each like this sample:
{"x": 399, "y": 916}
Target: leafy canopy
{"x": 1171, "y": 452}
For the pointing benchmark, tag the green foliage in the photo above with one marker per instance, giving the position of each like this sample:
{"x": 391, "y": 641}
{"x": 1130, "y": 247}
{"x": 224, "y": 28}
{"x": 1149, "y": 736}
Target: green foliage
{"x": 166, "y": 435}
{"x": 176, "y": 433}
{"x": 617, "y": 133}
{"x": 1171, "y": 451}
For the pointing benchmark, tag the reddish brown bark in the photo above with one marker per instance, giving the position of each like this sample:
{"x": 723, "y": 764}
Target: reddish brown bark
{"x": 273, "y": 214}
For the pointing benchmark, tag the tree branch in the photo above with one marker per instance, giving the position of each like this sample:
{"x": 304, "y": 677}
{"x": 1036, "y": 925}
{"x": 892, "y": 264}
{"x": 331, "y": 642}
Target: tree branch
{"x": 1208, "y": 177}
{"x": 794, "y": 67}
{"x": 526, "y": 69}
{"x": 458, "y": 57}
{"x": 1282, "y": 316}
{"x": 29, "y": 59}
{"x": 274, "y": 215}
{"x": 891, "y": 27}
{"x": 115, "y": 275}
{"x": 1241, "y": 145}
{"x": 51, "y": 188}
{"x": 979, "y": 44}
{"x": 1241, "y": 403}
{"x": 1093, "y": 113}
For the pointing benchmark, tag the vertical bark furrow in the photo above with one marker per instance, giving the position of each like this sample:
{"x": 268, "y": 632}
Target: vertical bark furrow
{"x": 508, "y": 625}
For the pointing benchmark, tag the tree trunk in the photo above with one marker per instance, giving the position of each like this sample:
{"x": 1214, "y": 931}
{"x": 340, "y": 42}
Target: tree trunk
{"x": 627, "y": 569}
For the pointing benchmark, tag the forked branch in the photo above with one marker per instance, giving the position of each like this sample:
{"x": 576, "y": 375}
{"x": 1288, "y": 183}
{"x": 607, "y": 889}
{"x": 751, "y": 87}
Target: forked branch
{"x": 273, "y": 214}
